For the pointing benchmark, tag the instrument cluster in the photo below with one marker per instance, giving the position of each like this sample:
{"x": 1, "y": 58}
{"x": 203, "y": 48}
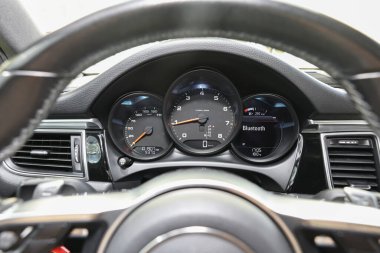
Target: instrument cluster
{"x": 202, "y": 114}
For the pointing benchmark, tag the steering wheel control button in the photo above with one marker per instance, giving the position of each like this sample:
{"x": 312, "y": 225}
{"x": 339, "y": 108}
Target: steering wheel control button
{"x": 60, "y": 249}
{"x": 324, "y": 241}
{"x": 48, "y": 189}
{"x": 8, "y": 239}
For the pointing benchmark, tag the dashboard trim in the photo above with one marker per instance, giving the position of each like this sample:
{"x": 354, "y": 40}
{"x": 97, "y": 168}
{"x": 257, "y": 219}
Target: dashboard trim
{"x": 71, "y": 124}
{"x": 332, "y": 126}
{"x": 337, "y": 122}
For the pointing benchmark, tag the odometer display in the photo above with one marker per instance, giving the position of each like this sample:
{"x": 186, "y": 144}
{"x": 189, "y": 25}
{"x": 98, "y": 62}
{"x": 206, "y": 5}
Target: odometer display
{"x": 201, "y": 112}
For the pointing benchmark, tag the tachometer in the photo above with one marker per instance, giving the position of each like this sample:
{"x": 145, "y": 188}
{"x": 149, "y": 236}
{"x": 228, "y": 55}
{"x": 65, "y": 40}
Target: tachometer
{"x": 201, "y": 112}
{"x": 137, "y": 128}
{"x": 269, "y": 128}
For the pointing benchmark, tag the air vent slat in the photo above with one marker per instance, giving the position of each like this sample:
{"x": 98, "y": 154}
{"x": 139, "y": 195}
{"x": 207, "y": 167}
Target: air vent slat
{"x": 45, "y": 146}
{"x": 51, "y": 152}
{"x": 353, "y": 175}
{"x": 352, "y": 161}
{"x": 48, "y": 140}
{"x": 344, "y": 183}
{"x": 51, "y": 166}
{"x": 349, "y": 153}
{"x": 46, "y": 159}
{"x": 353, "y": 168}
{"x": 46, "y": 152}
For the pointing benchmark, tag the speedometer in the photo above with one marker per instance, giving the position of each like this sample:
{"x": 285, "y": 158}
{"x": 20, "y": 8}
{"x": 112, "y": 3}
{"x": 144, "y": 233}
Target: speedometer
{"x": 202, "y": 112}
{"x": 136, "y": 126}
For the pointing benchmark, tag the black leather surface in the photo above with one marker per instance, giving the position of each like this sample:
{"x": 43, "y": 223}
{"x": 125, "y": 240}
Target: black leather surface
{"x": 325, "y": 99}
{"x": 198, "y": 207}
{"x": 17, "y": 30}
{"x": 336, "y": 48}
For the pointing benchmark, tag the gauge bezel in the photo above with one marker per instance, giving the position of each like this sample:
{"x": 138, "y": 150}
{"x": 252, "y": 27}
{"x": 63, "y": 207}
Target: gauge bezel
{"x": 228, "y": 90}
{"x": 123, "y": 147}
{"x": 286, "y": 143}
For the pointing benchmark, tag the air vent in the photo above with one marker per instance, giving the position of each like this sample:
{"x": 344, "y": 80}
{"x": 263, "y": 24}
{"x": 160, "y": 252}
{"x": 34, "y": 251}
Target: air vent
{"x": 49, "y": 152}
{"x": 353, "y": 161}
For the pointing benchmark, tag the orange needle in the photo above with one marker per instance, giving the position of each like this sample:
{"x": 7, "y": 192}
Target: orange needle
{"x": 147, "y": 131}
{"x": 139, "y": 138}
{"x": 202, "y": 119}
{"x": 185, "y": 121}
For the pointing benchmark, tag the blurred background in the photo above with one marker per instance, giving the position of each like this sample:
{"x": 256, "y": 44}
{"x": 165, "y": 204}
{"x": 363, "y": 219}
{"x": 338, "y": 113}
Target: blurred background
{"x": 50, "y": 15}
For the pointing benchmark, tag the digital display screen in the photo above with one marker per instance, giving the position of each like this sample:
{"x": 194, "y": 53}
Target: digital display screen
{"x": 269, "y": 128}
{"x": 259, "y": 136}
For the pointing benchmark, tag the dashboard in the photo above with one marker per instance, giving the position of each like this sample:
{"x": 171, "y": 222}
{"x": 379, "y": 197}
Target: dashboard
{"x": 204, "y": 103}
{"x": 202, "y": 114}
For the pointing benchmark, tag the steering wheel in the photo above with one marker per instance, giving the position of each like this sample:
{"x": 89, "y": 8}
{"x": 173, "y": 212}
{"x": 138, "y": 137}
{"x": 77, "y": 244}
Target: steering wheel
{"x": 190, "y": 211}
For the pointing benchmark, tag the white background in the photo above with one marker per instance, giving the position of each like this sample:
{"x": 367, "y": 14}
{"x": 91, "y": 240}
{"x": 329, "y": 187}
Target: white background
{"x": 363, "y": 15}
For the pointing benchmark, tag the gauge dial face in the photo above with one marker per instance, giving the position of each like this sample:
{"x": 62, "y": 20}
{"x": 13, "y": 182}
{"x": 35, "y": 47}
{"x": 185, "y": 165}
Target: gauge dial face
{"x": 142, "y": 132}
{"x": 202, "y": 119}
{"x": 137, "y": 127}
{"x": 269, "y": 128}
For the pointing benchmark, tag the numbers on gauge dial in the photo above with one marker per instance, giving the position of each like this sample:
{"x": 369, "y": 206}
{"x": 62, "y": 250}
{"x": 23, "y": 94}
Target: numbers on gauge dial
{"x": 143, "y": 132}
{"x": 202, "y": 119}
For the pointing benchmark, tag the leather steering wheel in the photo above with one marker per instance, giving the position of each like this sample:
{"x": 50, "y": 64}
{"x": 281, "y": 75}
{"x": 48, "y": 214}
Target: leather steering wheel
{"x": 31, "y": 82}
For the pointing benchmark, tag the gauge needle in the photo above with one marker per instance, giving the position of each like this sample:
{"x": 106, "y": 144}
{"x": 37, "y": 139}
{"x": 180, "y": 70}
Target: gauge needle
{"x": 201, "y": 119}
{"x": 147, "y": 131}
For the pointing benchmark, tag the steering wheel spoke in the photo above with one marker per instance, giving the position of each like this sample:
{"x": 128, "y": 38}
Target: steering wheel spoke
{"x": 315, "y": 223}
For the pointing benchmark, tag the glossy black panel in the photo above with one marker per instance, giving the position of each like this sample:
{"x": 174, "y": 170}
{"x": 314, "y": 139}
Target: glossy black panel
{"x": 311, "y": 175}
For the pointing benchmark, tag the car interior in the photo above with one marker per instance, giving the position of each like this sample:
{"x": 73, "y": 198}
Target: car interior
{"x": 197, "y": 140}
